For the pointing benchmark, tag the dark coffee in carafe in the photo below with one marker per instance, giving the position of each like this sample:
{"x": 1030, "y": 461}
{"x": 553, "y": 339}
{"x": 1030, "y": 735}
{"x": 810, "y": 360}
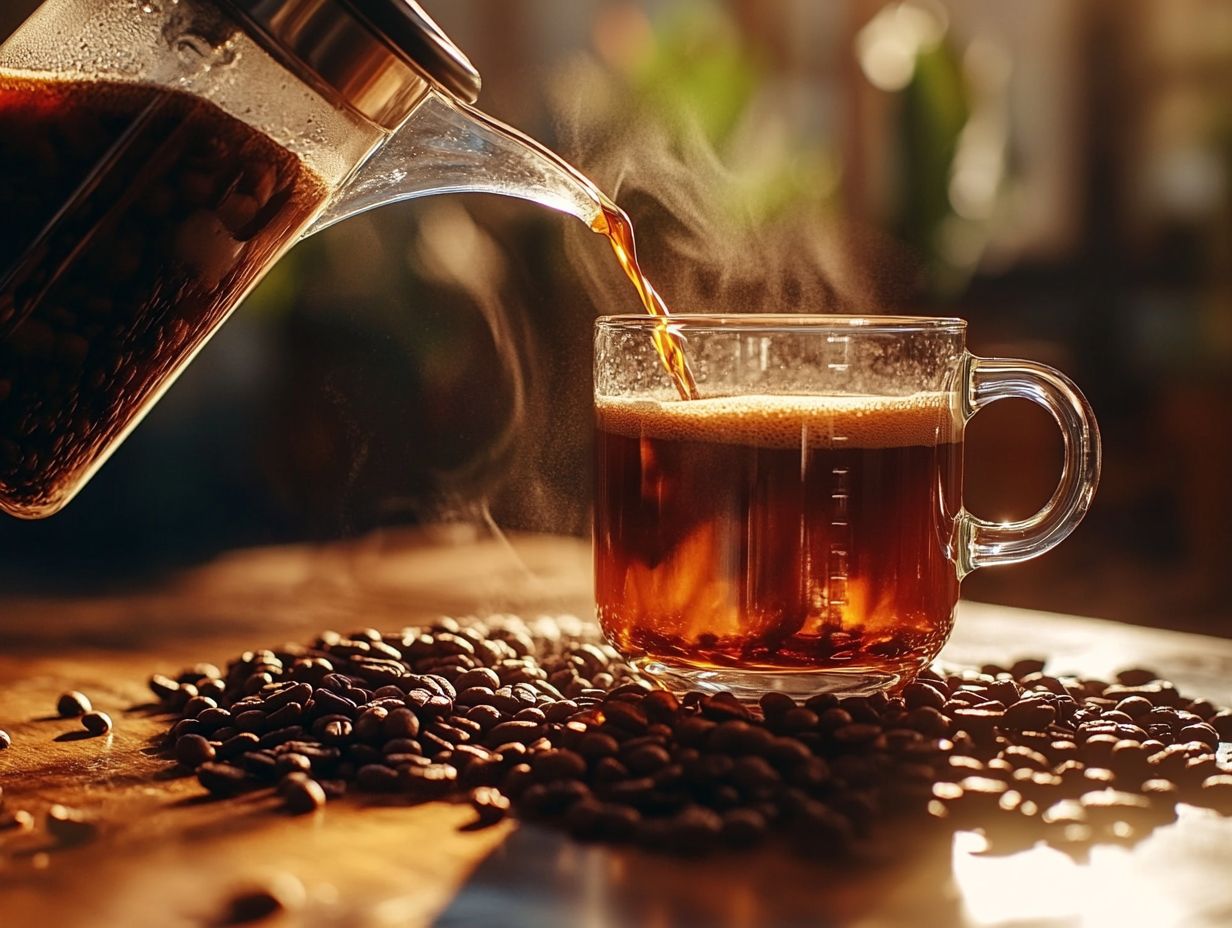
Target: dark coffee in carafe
{"x": 135, "y": 218}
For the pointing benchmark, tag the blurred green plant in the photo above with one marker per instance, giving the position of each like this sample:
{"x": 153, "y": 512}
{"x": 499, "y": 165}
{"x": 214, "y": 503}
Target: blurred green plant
{"x": 699, "y": 67}
{"x": 697, "y": 70}
{"x": 934, "y": 109}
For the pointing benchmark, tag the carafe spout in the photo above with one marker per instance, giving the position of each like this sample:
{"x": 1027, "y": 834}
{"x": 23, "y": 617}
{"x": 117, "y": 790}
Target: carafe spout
{"x": 447, "y": 146}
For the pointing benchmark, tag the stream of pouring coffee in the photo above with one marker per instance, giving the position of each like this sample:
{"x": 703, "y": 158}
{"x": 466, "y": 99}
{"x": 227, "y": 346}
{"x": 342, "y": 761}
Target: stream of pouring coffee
{"x": 614, "y": 223}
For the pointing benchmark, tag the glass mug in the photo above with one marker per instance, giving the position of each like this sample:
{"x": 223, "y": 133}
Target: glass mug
{"x": 800, "y": 527}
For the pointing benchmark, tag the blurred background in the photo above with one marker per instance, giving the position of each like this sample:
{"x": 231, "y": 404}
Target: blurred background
{"x": 1058, "y": 173}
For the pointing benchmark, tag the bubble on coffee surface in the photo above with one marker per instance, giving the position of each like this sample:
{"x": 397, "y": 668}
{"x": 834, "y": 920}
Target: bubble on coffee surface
{"x": 788, "y": 421}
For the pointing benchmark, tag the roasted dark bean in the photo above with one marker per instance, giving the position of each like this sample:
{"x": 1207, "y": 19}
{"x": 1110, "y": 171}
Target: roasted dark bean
{"x": 96, "y": 723}
{"x": 302, "y": 795}
{"x": 446, "y": 709}
{"x": 1222, "y": 723}
{"x": 238, "y": 744}
{"x": 918, "y": 694}
{"x": 1136, "y": 677}
{"x": 625, "y": 716}
{"x": 490, "y": 805}
{"x": 193, "y": 750}
{"x": 222, "y": 779}
{"x": 558, "y": 765}
{"x": 1029, "y": 714}
{"x": 377, "y": 778}
{"x": 72, "y": 704}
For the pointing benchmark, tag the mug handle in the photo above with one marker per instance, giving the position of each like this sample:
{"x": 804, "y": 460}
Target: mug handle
{"x": 983, "y": 543}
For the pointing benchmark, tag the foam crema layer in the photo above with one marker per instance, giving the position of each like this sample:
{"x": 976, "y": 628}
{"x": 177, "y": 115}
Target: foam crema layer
{"x": 787, "y": 421}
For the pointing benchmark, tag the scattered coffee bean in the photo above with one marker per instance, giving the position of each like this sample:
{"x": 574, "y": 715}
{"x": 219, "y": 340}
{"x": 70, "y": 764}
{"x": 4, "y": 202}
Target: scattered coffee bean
{"x": 222, "y": 779}
{"x": 547, "y": 722}
{"x": 72, "y": 704}
{"x": 96, "y": 723}
{"x": 251, "y": 906}
{"x": 302, "y": 795}
{"x": 490, "y": 805}
{"x": 1135, "y": 677}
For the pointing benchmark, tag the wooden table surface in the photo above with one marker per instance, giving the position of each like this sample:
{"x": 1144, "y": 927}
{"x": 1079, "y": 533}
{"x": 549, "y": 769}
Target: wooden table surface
{"x": 163, "y": 857}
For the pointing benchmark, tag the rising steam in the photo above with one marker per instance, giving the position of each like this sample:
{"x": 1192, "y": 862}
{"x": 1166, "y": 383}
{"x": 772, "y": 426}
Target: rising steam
{"x": 706, "y": 245}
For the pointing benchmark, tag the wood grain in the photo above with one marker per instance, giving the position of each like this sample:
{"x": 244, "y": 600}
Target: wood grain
{"x": 164, "y": 857}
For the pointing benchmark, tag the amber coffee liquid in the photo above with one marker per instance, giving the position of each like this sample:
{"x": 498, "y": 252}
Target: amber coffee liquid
{"x": 615, "y": 224}
{"x": 134, "y": 219}
{"x": 784, "y": 533}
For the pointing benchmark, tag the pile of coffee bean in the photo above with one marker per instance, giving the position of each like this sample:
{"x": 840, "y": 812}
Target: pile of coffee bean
{"x": 544, "y": 720}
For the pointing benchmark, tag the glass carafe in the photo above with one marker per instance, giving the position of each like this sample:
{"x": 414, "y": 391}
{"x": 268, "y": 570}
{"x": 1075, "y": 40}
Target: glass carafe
{"x": 157, "y": 157}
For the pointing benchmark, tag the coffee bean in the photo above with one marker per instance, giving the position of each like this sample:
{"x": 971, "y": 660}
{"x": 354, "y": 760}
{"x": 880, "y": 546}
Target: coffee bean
{"x": 162, "y": 686}
{"x": 377, "y": 778}
{"x": 1032, "y": 714}
{"x": 918, "y": 694}
{"x": 1222, "y": 723}
{"x": 222, "y": 779}
{"x": 742, "y": 828}
{"x": 237, "y": 744}
{"x": 558, "y": 764}
{"x": 819, "y": 830}
{"x": 302, "y": 795}
{"x": 1129, "y": 760}
{"x": 261, "y": 903}
{"x": 1025, "y": 757}
{"x": 857, "y": 733}
{"x": 1095, "y": 777}
{"x": 490, "y": 805}
{"x": 660, "y": 705}
{"x": 694, "y": 731}
{"x": 982, "y": 789}
{"x": 1106, "y": 807}
{"x": 401, "y": 723}
{"x": 1041, "y": 681}
{"x": 72, "y": 704}
{"x": 1136, "y": 677}
{"x": 1097, "y": 750}
{"x": 478, "y": 677}
{"x": 594, "y": 745}
{"x": 1217, "y": 792}
{"x": 193, "y": 750}
{"x": 1200, "y": 732}
{"x": 553, "y": 799}
{"x": 1025, "y": 667}
{"x": 96, "y": 723}
{"x": 523, "y": 732}
{"x": 432, "y": 781}
{"x": 1134, "y": 706}
{"x": 625, "y": 716}
{"x": 1065, "y": 812}
{"x": 774, "y": 704}
{"x": 618, "y": 758}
